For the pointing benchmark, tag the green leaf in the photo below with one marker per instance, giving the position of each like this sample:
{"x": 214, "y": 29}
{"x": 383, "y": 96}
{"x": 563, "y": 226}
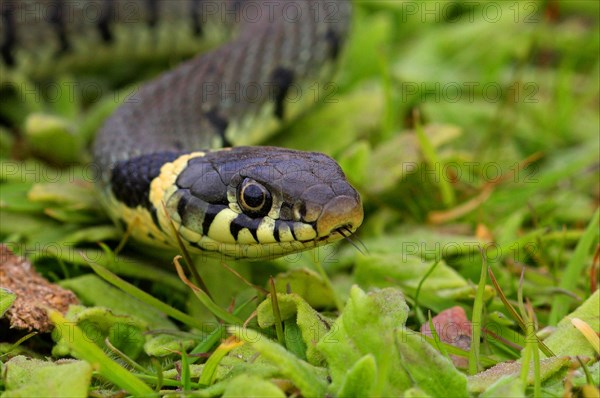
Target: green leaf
{"x": 505, "y": 386}
{"x": 93, "y": 234}
{"x": 125, "y": 332}
{"x": 483, "y": 380}
{"x": 368, "y": 41}
{"x": 82, "y": 348}
{"x": 430, "y": 371}
{"x": 309, "y": 381}
{"x": 166, "y": 344}
{"x": 354, "y": 161}
{"x": 25, "y": 377}
{"x": 361, "y": 379}
{"x": 567, "y": 340}
{"x": 54, "y": 137}
{"x": 251, "y": 386}
{"x": 6, "y": 299}
{"x": 144, "y": 297}
{"x": 368, "y": 325}
{"x": 93, "y": 291}
{"x": 336, "y": 124}
{"x": 407, "y": 271}
{"x": 134, "y": 267}
{"x": 433, "y": 160}
{"x": 293, "y": 339}
{"x": 77, "y": 194}
{"x": 384, "y": 163}
{"x": 307, "y": 284}
{"x": 311, "y": 324}
{"x": 64, "y": 98}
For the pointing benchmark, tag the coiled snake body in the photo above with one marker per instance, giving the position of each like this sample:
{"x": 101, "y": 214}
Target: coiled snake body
{"x": 176, "y": 151}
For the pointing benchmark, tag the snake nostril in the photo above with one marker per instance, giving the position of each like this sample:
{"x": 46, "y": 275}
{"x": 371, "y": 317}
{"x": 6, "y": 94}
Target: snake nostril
{"x": 340, "y": 213}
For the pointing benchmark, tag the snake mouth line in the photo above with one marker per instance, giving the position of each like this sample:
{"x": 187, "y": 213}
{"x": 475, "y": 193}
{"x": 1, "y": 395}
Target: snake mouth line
{"x": 346, "y": 232}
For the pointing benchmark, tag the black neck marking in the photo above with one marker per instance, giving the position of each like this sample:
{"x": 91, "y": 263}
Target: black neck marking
{"x": 131, "y": 179}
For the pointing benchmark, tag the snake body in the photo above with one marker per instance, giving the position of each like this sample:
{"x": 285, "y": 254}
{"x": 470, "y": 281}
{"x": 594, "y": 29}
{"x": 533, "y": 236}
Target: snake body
{"x": 176, "y": 152}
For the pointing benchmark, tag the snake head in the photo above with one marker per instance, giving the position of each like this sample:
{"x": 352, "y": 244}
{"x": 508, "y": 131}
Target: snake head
{"x": 257, "y": 202}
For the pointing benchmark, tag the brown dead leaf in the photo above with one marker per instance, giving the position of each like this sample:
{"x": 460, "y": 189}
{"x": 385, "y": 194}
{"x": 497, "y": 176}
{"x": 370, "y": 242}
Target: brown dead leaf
{"x": 34, "y": 294}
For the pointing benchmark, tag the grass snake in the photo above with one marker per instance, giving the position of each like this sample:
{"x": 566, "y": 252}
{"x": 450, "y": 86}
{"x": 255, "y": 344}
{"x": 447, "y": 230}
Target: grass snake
{"x": 179, "y": 148}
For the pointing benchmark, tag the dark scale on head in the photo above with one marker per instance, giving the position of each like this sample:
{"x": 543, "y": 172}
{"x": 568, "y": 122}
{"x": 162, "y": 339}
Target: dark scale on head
{"x": 9, "y": 34}
{"x": 282, "y": 81}
{"x": 203, "y": 182}
{"x": 130, "y": 180}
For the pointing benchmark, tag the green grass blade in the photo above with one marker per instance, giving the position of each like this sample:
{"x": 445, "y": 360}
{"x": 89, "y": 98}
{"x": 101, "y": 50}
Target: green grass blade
{"x": 93, "y": 354}
{"x": 453, "y": 350}
{"x": 537, "y": 378}
{"x": 572, "y": 274}
{"x": 418, "y": 311}
{"x": 276, "y": 313}
{"x": 144, "y": 297}
{"x": 436, "y": 337}
{"x": 513, "y": 312}
{"x": 476, "y": 320}
{"x": 448, "y": 196}
{"x": 209, "y": 371}
{"x": 6, "y": 299}
{"x": 186, "y": 379}
{"x": 205, "y": 299}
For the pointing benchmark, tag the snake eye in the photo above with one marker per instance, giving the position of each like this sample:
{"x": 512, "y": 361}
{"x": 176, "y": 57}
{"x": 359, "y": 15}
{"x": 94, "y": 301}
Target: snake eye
{"x": 253, "y": 198}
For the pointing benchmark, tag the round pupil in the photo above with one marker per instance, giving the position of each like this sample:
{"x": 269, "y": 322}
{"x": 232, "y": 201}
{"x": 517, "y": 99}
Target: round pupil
{"x": 254, "y": 196}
